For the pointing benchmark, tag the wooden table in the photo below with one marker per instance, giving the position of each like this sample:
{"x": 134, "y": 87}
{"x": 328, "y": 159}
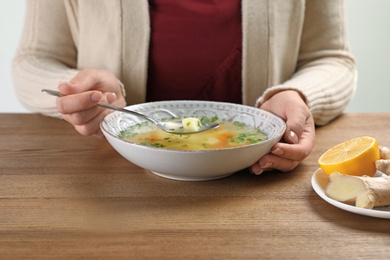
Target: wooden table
{"x": 66, "y": 196}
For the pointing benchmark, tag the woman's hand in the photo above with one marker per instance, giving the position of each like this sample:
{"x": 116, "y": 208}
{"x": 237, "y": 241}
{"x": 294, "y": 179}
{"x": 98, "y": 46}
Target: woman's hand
{"x": 298, "y": 140}
{"x": 81, "y": 95}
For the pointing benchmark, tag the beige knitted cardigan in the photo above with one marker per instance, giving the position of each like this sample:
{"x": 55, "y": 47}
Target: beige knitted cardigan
{"x": 287, "y": 44}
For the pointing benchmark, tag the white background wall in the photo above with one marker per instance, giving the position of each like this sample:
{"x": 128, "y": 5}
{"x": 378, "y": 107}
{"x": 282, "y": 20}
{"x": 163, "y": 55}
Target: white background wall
{"x": 11, "y": 24}
{"x": 369, "y": 31}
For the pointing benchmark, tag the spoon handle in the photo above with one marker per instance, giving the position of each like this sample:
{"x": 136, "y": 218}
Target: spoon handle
{"x": 105, "y": 105}
{"x": 52, "y": 92}
{"x": 126, "y": 111}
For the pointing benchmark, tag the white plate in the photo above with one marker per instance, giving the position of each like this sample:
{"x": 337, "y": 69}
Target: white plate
{"x": 320, "y": 180}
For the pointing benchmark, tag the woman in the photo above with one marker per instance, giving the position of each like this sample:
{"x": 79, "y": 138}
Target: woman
{"x": 288, "y": 57}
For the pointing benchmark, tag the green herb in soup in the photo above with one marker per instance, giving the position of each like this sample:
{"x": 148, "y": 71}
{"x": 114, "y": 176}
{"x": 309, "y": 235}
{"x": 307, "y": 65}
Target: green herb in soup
{"x": 227, "y": 135}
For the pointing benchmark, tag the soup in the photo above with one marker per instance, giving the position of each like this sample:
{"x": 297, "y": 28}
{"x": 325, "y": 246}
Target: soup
{"x": 227, "y": 135}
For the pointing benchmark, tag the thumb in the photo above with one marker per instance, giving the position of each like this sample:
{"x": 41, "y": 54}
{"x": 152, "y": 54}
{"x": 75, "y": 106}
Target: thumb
{"x": 291, "y": 137}
{"x": 295, "y": 126}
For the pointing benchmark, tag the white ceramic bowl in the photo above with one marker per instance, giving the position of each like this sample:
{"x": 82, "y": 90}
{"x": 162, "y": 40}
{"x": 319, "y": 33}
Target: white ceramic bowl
{"x": 194, "y": 165}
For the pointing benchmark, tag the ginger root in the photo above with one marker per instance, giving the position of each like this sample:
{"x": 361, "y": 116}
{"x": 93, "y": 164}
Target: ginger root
{"x": 384, "y": 152}
{"x": 383, "y": 164}
{"x": 363, "y": 191}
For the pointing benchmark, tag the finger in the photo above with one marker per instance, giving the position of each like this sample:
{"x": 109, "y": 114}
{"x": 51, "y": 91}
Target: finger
{"x": 83, "y": 117}
{"x": 270, "y": 162}
{"x": 85, "y": 80}
{"x": 92, "y": 127}
{"x": 67, "y": 89}
{"x": 89, "y": 79}
{"x": 283, "y": 165}
{"x": 78, "y": 102}
{"x": 295, "y": 152}
{"x": 87, "y": 122}
{"x": 110, "y": 97}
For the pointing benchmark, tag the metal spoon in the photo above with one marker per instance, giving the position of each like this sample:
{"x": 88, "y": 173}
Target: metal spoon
{"x": 172, "y": 127}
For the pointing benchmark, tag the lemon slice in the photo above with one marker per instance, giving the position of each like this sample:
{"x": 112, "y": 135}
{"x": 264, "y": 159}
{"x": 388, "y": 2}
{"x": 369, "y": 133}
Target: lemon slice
{"x": 353, "y": 157}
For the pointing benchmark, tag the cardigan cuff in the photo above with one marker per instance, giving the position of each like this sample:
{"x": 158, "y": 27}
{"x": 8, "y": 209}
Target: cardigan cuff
{"x": 275, "y": 90}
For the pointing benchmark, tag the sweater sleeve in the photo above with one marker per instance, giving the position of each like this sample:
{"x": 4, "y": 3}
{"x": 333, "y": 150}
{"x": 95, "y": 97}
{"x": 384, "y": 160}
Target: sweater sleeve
{"x": 45, "y": 56}
{"x": 326, "y": 71}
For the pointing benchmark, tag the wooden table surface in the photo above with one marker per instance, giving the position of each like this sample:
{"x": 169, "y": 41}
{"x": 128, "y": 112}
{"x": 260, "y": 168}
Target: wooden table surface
{"x": 66, "y": 196}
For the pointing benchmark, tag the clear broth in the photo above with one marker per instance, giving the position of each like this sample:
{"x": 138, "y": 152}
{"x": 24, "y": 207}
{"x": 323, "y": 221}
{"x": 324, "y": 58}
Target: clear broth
{"x": 227, "y": 135}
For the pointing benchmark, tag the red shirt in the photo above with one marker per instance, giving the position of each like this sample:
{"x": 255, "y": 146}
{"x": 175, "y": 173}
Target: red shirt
{"x": 195, "y": 50}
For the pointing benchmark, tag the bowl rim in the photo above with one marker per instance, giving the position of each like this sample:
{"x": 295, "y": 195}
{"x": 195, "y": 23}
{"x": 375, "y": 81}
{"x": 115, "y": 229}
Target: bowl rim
{"x": 104, "y": 130}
